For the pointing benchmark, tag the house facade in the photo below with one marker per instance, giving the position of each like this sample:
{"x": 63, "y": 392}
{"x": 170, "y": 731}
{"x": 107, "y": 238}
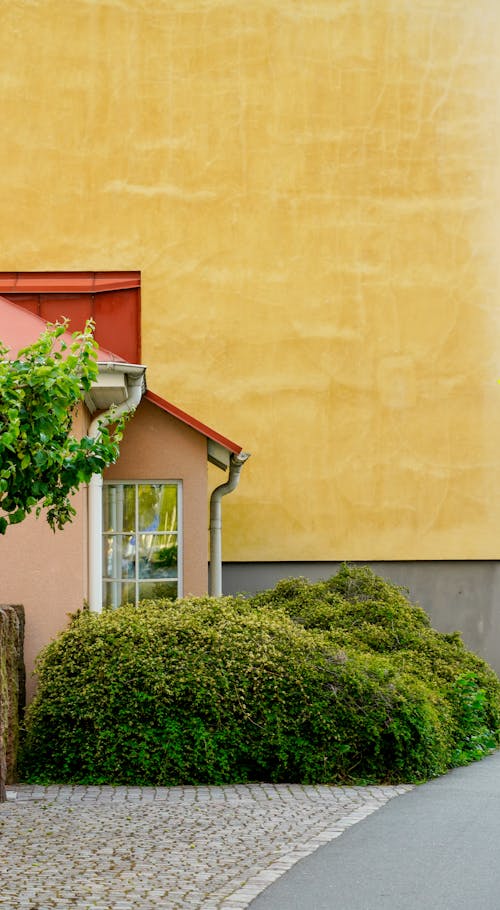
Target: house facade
{"x": 140, "y": 531}
{"x": 309, "y": 193}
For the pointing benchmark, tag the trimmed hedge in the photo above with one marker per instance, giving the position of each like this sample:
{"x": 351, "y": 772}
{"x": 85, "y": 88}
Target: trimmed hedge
{"x": 333, "y": 682}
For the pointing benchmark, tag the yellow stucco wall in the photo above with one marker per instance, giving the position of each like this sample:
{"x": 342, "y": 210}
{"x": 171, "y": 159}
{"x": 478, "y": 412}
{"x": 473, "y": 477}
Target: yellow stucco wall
{"x": 310, "y": 189}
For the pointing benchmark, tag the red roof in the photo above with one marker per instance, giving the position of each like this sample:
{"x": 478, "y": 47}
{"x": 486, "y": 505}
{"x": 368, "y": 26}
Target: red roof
{"x": 192, "y": 422}
{"x": 67, "y": 282}
{"x": 20, "y": 328}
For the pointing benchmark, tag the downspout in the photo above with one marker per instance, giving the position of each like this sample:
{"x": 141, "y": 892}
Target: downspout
{"x": 235, "y": 465}
{"x": 135, "y": 387}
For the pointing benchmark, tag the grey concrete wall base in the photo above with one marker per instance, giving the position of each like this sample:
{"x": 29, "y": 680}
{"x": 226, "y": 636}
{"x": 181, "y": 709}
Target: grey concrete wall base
{"x": 458, "y": 595}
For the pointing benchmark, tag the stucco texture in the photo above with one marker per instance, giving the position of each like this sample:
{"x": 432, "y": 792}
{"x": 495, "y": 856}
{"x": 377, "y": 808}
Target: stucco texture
{"x": 310, "y": 190}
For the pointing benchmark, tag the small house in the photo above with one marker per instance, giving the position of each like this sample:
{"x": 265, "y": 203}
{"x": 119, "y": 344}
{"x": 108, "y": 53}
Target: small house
{"x": 140, "y": 530}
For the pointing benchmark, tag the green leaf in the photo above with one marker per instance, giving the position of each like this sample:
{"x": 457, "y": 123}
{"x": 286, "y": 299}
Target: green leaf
{"x": 41, "y": 462}
{"x": 18, "y": 516}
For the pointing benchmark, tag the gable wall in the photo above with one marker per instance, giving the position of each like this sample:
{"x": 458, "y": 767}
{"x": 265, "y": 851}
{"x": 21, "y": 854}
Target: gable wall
{"x": 156, "y": 446}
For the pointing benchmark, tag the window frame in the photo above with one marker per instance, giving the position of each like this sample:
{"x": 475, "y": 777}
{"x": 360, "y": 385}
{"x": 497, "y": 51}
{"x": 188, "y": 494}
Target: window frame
{"x": 136, "y": 580}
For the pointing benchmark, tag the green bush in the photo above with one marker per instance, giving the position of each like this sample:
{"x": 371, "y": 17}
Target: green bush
{"x": 338, "y": 681}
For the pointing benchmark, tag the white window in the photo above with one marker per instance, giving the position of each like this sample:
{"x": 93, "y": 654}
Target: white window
{"x": 141, "y": 541}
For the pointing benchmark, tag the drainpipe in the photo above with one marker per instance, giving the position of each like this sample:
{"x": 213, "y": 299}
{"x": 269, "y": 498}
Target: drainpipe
{"x": 135, "y": 387}
{"x": 235, "y": 465}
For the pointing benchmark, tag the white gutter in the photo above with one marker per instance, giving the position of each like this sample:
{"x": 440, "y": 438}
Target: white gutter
{"x": 215, "y": 576}
{"x": 135, "y": 386}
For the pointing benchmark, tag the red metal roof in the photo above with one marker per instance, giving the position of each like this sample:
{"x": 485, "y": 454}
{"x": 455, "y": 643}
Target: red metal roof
{"x": 20, "y": 328}
{"x": 111, "y": 299}
{"x": 192, "y": 422}
{"x": 67, "y": 282}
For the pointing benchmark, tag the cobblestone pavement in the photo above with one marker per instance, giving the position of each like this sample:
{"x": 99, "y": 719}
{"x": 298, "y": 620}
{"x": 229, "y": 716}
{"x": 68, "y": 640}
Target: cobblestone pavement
{"x": 178, "y": 848}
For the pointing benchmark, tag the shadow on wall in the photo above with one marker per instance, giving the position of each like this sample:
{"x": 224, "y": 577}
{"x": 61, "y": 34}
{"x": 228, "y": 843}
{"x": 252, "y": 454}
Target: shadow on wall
{"x": 12, "y": 690}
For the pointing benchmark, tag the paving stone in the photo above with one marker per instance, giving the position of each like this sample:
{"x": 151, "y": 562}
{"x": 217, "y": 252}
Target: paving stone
{"x": 199, "y": 848}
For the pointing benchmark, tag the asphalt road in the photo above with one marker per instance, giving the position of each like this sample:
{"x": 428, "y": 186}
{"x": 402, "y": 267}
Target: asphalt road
{"x": 436, "y": 847}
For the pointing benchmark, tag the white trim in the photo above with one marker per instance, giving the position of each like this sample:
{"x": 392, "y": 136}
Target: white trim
{"x": 136, "y": 386}
{"x": 95, "y": 542}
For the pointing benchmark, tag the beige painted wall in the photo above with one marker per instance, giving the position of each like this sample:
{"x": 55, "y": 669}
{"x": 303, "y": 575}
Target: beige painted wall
{"x": 311, "y": 192}
{"x": 158, "y": 447}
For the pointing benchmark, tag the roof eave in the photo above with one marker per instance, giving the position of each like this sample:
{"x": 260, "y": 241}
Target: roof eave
{"x": 219, "y": 448}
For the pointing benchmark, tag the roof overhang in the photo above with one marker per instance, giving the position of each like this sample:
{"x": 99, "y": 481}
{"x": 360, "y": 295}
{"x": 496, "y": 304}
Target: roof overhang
{"x": 218, "y": 455}
{"x": 111, "y": 387}
{"x": 107, "y": 391}
{"x": 219, "y": 448}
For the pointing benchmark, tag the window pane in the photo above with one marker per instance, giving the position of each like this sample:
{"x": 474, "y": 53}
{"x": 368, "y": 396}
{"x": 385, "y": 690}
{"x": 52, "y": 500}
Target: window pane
{"x": 157, "y": 556}
{"x": 140, "y": 542}
{"x": 115, "y": 593}
{"x": 118, "y": 555}
{"x": 149, "y": 590}
{"x": 118, "y": 507}
{"x": 157, "y": 507}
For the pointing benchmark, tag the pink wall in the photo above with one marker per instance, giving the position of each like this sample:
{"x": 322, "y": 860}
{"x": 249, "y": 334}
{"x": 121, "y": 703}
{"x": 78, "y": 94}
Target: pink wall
{"x": 46, "y": 572}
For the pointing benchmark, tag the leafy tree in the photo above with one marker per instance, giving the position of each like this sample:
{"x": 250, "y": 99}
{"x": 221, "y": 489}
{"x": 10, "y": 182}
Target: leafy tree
{"x": 41, "y": 462}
